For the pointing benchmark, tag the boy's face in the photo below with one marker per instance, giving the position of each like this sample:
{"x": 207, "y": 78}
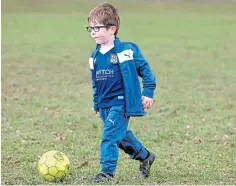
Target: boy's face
{"x": 102, "y": 34}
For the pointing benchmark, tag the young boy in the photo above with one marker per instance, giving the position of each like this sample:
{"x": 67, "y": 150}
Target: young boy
{"x": 115, "y": 67}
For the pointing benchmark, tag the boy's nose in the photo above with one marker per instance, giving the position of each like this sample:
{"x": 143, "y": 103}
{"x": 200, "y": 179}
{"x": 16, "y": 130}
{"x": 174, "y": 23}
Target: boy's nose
{"x": 92, "y": 33}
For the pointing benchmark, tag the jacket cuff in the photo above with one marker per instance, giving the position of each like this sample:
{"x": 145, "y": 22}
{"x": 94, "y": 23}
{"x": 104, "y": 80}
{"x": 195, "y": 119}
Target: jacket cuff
{"x": 148, "y": 93}
{"x": 96, "y": 109}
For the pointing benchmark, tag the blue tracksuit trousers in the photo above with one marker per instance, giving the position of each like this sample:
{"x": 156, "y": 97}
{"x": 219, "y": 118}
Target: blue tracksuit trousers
{"x": 115, "y": 134}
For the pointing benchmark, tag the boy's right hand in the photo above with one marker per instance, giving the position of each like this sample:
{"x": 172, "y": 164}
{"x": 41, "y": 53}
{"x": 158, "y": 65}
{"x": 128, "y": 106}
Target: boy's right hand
{"x": 147, "y": 102}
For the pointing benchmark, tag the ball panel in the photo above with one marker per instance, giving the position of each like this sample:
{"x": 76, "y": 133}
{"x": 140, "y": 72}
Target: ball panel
{"x": 52, "y": 171}
{"x": 67, "y": 171}
{"x": 60, "y": 174}
{"x": 50, "y": 161}
{"x": 49, "y": 178}
{"x": 60, "y": 165}
{"x": 66, "y": 159}
{"x": 58, "y": 156}
{"x": 43, "y": 169}
{"x": 42, "y": 159}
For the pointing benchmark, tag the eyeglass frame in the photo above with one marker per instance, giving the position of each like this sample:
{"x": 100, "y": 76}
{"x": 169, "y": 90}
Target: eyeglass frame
{"x": 97, "y": 27}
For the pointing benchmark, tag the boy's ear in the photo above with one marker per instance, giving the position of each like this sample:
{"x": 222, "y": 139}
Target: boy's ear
{"x": 112, "y": 30}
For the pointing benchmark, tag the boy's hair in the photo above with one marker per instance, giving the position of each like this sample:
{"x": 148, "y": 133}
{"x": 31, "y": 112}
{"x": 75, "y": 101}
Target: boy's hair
{"x": 105, "y": 14}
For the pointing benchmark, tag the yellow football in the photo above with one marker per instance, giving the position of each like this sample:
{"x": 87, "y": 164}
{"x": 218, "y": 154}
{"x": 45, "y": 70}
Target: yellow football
{"x": 54, "y": 166}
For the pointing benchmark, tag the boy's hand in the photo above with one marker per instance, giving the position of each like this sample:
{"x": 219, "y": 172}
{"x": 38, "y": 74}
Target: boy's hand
{"x": 147, "y": 102}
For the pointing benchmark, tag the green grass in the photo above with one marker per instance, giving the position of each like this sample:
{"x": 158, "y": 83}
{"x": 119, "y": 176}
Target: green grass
{"x": 46, "y": 90}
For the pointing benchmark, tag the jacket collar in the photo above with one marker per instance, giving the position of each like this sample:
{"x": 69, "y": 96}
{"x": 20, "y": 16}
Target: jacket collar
{"x": 116, "y": 45}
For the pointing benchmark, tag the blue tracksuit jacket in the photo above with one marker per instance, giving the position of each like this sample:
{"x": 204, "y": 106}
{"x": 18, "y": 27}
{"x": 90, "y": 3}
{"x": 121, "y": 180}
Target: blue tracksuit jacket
{"x": 132, "y": 64}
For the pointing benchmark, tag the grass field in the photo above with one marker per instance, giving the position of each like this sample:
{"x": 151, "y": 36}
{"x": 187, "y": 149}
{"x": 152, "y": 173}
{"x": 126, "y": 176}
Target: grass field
{"x": 47, "y": 96}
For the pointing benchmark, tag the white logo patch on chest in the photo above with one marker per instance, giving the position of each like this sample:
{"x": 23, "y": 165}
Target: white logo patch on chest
{"x": 114, "y": 59}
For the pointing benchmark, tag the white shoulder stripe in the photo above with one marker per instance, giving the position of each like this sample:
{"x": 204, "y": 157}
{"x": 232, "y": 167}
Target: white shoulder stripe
{"x": 91, "y": 66}
{"x": 125, "y": 55}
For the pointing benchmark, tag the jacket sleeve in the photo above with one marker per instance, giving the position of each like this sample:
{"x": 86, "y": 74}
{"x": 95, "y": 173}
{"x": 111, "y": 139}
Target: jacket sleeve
{"x": 145, "y": 72}
{"x": 93, "y": 75}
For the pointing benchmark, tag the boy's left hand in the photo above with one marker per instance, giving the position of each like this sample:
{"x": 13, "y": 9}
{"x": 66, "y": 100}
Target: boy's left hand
{"x": 147, "y": 102}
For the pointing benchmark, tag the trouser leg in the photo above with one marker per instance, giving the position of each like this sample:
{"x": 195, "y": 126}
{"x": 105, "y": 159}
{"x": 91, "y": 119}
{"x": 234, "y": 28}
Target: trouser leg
{"x": 132, "y": 146}
{"x": 114, "y": 129}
